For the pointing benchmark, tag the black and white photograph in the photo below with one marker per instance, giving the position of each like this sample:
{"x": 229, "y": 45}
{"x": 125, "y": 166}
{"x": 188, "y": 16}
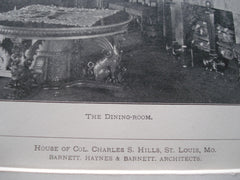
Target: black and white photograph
{"x": 120, "y": 87}
{"x": 130, "y": 51}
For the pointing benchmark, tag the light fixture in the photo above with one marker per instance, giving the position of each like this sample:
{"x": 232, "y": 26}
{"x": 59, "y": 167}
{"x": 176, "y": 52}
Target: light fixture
{"x": 208, "y": 4}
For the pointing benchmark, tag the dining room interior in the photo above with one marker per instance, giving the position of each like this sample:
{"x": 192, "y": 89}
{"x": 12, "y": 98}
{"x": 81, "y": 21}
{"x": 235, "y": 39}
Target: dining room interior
{"x": 120, "y": 51}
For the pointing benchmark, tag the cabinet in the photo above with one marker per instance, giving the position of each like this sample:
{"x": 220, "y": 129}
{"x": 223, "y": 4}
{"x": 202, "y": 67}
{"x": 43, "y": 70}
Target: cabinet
{"x": 144, "y": 13}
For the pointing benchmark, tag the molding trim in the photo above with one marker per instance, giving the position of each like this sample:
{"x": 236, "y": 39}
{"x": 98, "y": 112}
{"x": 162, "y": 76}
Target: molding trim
{"x": 64, "y": 33}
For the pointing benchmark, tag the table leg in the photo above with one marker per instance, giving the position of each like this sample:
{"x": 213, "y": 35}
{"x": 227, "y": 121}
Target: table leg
{"x": 21, "y": 60}
{"x": 59, "y": 56}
